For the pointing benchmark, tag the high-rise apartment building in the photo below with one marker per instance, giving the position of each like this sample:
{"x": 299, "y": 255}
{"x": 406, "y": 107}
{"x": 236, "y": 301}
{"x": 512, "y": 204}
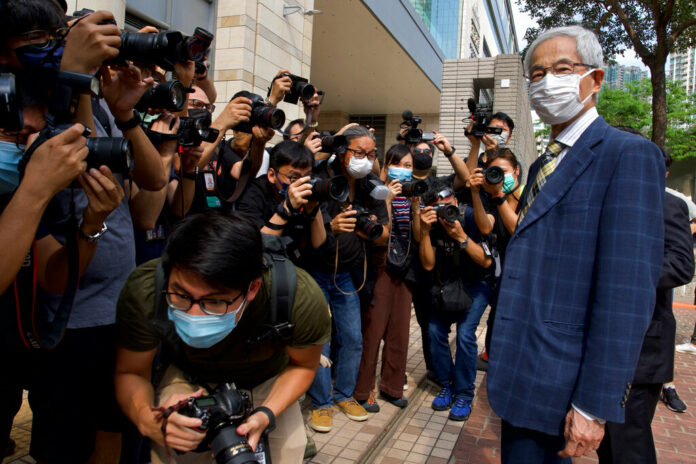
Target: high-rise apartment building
{"x": 443, "y": 20}
{"x": 619, "y": 76}
{"x": 682, "y": 69}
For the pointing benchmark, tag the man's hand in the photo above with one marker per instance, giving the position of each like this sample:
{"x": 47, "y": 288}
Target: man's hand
{"x": 582, "y": 435}
{"x": 428, "y": 217}
{"x": 454, "y": 229}
{"x": 299, "y": 191}
{"x": 475, "y": 141}
{"x": 280, "y": 87}
{"x": 89, "y": 43}
{"x": 56, "y": 162}
{"x": 180, "y": 434}
{"x": 104, "y": 194}
{"x": 253, "y": 427}
{"x": 344, "y": 222}
{"x": 441, "y": 142}
{"x": 262, "y": 134}
{"x": 124, "y": 89}
{"x": 313, "y": 142}
{"x": 346, "y": 127}
{"x": 478, "y": 180}
{"x": 314, "y": 105}
{"x": 190, "y": 157}
{"x": 184, "y": 72}
{"x": 489, "y": 142}
{"x": 394, "y": 189}
{"x": 168, "y": 124}
{"x": 236, "y": 111}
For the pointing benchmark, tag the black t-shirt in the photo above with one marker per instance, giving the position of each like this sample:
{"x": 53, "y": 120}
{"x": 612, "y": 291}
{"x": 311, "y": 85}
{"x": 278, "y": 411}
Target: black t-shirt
{"x": 259, "y": 203}
{"x": 350, "y": 247}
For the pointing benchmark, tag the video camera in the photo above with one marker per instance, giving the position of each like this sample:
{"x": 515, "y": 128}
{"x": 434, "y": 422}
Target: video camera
{"x": 221, "y": 413}
{"x": 365, "y": 224}
{"x": 195, "y": 129}
{"x": 261, "y": 114}
{"x": 170, "y": 96}
{"x": 11, "y": 110}
{"x": 481, "y": 114}
{"x": 414, "y": 135}
{"x": 335, "y": 188}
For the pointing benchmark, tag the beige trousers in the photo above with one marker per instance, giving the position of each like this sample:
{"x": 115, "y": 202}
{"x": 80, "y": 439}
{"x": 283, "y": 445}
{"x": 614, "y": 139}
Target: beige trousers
{"x": 287, "y": 442}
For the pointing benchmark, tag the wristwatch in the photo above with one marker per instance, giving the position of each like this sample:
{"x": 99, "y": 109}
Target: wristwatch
{"x": 498, "y": 200}
{"x": 190, "y": 175}
{"x": 447, "y": 155}
{"x": 130, "y": 124}
{"x": 91, "y": 238}
{"x": 271, "y": 418}
{"x": 464, "y": 244}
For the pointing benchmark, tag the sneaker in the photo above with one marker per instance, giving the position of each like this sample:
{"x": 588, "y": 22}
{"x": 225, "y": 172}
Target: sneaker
{"x": 322, "y": 419}
{"x": 443, "y": 400}
{"x": 672, "y": 400}
{"x": 405, "y": 383}
{"x": 398, "y": 402}
{"x": 310, "y": 448}
{"x": 460, "y": 409}
{"x": 352, "y": 409}
{"x": 686, "y": 348}
{"x": 370, "y": 405}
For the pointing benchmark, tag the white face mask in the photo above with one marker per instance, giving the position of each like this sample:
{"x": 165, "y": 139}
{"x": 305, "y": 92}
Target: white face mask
{"x": 556, "y": 99}
{"x": 501, "y": 139}
{"x": 359, "y": 168}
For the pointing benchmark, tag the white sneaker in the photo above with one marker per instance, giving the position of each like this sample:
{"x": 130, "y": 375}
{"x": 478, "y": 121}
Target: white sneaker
{"x": 686, "y": 348}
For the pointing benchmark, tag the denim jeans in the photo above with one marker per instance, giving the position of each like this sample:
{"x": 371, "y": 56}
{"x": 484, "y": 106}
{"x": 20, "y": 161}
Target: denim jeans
{"x": 463, "y": 371}
{"x": 345, "y": 311}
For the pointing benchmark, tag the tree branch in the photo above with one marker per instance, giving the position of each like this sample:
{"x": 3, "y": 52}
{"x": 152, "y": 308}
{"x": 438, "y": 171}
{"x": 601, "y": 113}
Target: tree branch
{"x": 669, "y": 8}
{"x": 641, "y": 49}
{"x": 680, "y": 29}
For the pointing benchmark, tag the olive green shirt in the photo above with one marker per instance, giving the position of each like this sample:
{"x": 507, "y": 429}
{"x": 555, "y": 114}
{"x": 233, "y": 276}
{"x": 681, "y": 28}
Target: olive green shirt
{"x": 235, "y": 358}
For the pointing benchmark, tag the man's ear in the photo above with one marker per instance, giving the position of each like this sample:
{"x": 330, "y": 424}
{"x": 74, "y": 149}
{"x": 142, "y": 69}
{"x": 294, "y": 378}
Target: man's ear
{"x": 254, "y": 289}
{"x": 271, "y": 176}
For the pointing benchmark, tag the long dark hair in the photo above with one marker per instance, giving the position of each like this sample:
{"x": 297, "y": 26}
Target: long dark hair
{"x": 502, "y": 153}
{"x": 395, "y": 154}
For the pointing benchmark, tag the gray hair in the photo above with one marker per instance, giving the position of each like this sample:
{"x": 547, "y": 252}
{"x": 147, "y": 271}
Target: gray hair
{"x": 358, "y": 132}
{"x": 587, "y": 45}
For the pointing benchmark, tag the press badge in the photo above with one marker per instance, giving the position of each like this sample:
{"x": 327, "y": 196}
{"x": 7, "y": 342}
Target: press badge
{"x": 155, "y": 234}
{"x": 209, "y": 181}
{"x": 486, "y": 249}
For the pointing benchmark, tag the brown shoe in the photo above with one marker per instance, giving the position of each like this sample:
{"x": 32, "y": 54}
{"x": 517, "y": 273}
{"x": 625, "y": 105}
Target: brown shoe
{"x": 352, "y": 409}
{"x": 322, "y": 419}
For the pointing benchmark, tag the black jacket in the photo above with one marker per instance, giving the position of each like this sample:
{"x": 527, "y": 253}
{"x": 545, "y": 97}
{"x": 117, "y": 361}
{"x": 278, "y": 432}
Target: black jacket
{"x": 656, "y": 362}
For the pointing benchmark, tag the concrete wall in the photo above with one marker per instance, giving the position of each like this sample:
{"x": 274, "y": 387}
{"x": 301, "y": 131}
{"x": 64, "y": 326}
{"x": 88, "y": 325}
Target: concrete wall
{"x": 460, "y": 80}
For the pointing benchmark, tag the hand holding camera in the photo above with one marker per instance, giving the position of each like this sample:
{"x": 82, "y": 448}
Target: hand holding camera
{"x": 344, "y": 222}
{"x": 280, "y": 87}
{"x": 253, "y": 428}
{"x": 490, "y": 179}
{"x": 182, "y": 431}
{"x": 104, "y": 194}
{"x": 124, "y": 89}
{"x": 184, "y": 72}
{"x": 238, "y": 110}
{"x": 314, "y": 142}
{"x": 262, "y": 134}
{"x": 454, "y": 229}
{"x": 168, "y": 125}
{"x": 190, "y": 157}
{"x": 94, "y": 39}
{"x": 299, "y": 192}
{"x": 428, "y": 217}
{"x": 394, "y": 189}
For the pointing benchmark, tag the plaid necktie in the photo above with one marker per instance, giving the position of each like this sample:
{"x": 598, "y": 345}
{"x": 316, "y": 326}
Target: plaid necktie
{"x": 548, "y": 165}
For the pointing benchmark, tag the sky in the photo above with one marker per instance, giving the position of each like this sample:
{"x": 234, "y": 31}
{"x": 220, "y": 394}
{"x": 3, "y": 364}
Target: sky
{"x": 523, "y": 21}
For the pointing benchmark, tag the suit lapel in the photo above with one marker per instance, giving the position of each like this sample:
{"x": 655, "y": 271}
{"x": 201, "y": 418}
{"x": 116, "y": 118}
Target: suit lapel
{"x": 578, "y": 158}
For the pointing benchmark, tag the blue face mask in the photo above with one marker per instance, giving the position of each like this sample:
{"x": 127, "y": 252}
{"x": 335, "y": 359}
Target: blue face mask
{"x": 283, "y": 186}
{"x": 10, "y": 155}
{"x": 204, "y": 331}
{"x": 400, "y": 174}
{"x": 41, "y": 57}
{"x": 508, "y": 183}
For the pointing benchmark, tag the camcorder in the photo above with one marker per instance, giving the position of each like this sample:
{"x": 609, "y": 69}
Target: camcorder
{"x": 366, "y": 225}
{"x": 333, "y": 143}
{"x": 11, "y": 109}
{"x": 221, "y": 413}
{"x": 170, "y": 96}
{"x": 481, "y": 114}
{"x": 195, "y": 129}
{"x": 494, "y": 175}
{"x": 300, "y": 88}
{"x": 335, "y": 188}
{"x": 414, "y": 188}
{"x": 414, "y": 135}
{"x": 262, "y": 115}
{"x": 448, "y": 212}
{"x": 165, "y": 49}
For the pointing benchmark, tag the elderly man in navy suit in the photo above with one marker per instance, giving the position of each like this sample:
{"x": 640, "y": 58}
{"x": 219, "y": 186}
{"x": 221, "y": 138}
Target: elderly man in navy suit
{"x": 578, "y": 287}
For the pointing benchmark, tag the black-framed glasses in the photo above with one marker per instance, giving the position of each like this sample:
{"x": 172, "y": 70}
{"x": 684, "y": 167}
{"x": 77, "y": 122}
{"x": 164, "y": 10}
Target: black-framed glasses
{"x": 559, "y": 68}
{"x": 201, "y": 105}
{"x": 210, "y": 306}
{"x": 425, "y": 151}
{"x": 359, "y": 154}
{"x": 291, "y": 178}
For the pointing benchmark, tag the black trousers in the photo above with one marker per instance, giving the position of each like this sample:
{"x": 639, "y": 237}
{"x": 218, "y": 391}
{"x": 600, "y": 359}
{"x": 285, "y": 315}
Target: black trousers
{"x": 524, "y": 446}
{"x": 632, "y": 442}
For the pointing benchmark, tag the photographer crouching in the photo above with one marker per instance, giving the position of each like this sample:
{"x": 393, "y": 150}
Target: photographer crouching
{"x": 209, "y": 304}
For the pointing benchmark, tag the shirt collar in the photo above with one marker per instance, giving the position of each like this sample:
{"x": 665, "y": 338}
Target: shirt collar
{"x": 572, "y": 133}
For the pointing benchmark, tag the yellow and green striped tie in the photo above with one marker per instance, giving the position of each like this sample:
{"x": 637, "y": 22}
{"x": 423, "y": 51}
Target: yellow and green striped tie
{"x": 548, "y": 165}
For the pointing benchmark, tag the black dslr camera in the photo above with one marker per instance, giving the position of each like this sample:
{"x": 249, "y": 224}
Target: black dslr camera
{"x": 261, "y": 114}
{"x": 221, "y": 413}
{"x": 336, "y": 188}
{"x": 300, "y": 88}
{"x": 481, "y": 114}
{"x": 494, "y": 175}
{"x": 414, "y": 135}
{"x": 170, "y": 96}
{"x": 414, "y": 188}
{"x": 365, "y": 224}
{"x": 333, "y": 143}
{"x": 195, "y": 129}
{"x": 447, "y": 212}
{"x": 11, "y": 109}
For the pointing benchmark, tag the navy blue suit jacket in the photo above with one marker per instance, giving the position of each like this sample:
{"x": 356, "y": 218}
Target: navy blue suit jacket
{"x": 578, "y": 286}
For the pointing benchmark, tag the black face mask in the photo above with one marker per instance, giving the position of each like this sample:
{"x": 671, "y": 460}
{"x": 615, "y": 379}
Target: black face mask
{"x": 422, "y": 161}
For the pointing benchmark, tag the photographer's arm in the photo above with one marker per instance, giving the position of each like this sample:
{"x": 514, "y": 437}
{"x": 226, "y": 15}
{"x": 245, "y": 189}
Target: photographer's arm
{"x": 291, "y": 383}
{"x": 317, "y": 230}
{"x": 236, "y": 111}
{"x": 482, "y": 219}
{"x": 508, "y": 215}
{"x": 475, "y": 250}
{"x": 472, "y": 160}
{"x": 426, "y": 251}
{"x": 261, "y": 136}
{"x": 180, "y": 202}
{"x": 207, "y": 86}
{"x": 461, "y": 170}
{"x": 415, "y": 218}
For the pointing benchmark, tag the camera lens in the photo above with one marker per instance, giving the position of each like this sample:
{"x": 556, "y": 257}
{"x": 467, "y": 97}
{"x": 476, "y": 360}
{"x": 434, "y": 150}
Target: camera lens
{"x": 304, "y": 90}
{"x": 267, "y": 117}
{"x": 170, "y": 96}
{"x": 370, "y": 228}
{"x": 335, "y": 188}
{"x": 113, "y": 152}
{"x": 449, "y": 213}
{"x": 228, "y": 447}
{"x": 414, "y": 188}
{"x": 11, "y": 115}
{"x": 334, "y": 144}
{"x": 495, "y": 175}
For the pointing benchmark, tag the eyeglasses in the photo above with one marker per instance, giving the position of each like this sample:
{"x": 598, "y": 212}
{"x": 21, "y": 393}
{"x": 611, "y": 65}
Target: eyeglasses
{"x": 40, "y": 36}
{"x": 210, "y": 306}
{"x": 201, "y": 105}
{"x": 425, "y": 151}
{"x": 359, "y": 154}
{"x": 291, "y": 178}
{"x": 559, "y": 68}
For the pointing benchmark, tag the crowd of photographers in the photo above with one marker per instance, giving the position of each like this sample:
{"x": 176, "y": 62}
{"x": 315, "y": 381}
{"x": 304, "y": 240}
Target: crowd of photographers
{"x": 110, "y": 158}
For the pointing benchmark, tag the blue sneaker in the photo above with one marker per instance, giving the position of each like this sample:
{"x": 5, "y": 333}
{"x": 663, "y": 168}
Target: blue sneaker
{"x": 443, "y": 400}
{"x": 461, "y": 409}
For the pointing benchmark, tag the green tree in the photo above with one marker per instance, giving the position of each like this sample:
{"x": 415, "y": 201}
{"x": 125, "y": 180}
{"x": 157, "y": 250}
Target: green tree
{"x": 653, "y": 28}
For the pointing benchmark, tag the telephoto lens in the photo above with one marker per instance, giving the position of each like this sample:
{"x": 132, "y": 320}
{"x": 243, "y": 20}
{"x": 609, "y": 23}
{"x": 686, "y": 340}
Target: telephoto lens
{"x": 170, "y": 96}
{"x": 11, "y": 114}
{"x": 229, "y": 447}
{"x": 494, "y": 175}
{"x": 262, "y": 115}
{"x": 114, "y": 152}
{"x": 414, "y": 188}
{"x": 336, "y": 188}
{"x": 449, "y": 213}
{"x": 365, "y": 224}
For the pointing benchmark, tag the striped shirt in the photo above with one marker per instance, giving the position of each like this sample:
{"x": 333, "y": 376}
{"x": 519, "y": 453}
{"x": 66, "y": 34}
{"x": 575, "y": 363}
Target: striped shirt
{"x": 401, "y": 216}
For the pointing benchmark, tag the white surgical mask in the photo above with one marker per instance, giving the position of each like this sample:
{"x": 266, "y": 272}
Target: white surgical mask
{"x": 359, "y": 168}
{"x": 501, "y": 139}
{"x": 556, "y": 98}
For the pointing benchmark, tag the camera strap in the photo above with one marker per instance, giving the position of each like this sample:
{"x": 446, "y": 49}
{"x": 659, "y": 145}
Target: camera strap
{"x": 364, "y": 271}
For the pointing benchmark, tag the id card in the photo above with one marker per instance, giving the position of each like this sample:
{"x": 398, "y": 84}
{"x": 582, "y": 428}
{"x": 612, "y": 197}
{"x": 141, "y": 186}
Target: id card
{"x": 209, "y": 181}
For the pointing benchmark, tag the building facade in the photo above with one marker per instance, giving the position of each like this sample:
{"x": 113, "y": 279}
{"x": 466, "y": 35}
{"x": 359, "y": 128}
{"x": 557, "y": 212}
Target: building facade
{"x": 617, "y": 77}
{"x": 682, "y": 69}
